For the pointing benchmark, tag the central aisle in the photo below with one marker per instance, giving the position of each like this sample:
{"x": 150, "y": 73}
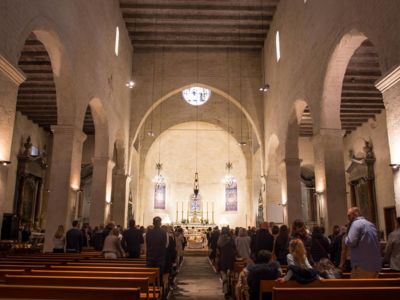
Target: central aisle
{"x": 197, "y": 281}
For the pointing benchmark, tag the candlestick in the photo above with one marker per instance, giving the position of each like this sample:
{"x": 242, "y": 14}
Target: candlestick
{"x": 182, "y": 211}
{"x": 212, "y": 211}
{"x": 207, "y": 212}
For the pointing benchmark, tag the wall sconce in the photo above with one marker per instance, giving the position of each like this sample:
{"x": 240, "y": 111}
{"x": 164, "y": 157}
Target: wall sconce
{"x": 130, "y": 84}
{"x": 5, "y": 162}
{"x": 264, "y": 88}
{"x": 395, "y": 167}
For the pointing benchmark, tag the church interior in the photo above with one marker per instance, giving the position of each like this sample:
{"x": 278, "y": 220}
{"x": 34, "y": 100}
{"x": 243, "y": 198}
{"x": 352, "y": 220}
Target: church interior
{"x": 204, "y": 113}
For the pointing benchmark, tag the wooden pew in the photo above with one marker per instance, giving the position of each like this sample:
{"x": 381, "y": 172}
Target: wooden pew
{"x": 3, "y": 272}
{"x": 67, "y": 292}
{"x": 267, "y": 286}
{"x": 84, "y": 281}
{"x": 105, "y": 264}
{"x": 353, "y": 293}
{"x": 152, "y": 275}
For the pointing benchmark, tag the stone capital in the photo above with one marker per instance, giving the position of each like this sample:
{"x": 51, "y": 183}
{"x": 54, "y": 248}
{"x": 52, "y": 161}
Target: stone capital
{"x": 12, "y": 72}
{"x": 103, "y": 160}
{"x": 388, "y": 80}
{"x": 327, "y": 132}
{"x": 69, "y": 130}
{"x": 292, "y": 161}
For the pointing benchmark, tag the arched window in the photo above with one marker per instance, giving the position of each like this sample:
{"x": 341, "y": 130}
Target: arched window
{"x": 231, "y": 197}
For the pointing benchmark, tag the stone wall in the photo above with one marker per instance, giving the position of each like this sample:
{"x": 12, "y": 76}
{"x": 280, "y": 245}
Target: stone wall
{"x": 374, "y": 131}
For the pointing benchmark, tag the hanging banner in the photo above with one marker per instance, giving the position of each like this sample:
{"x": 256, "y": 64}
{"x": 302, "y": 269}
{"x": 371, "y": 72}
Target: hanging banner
{"x": 159, "y": 196}
{"x": 231, "y": 197}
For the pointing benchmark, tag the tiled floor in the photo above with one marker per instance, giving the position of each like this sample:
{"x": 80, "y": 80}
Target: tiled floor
{"x": 197, "y": 281}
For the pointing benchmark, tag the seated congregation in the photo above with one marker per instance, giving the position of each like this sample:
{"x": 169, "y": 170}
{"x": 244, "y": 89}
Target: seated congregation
{"x": 275, "y": 263}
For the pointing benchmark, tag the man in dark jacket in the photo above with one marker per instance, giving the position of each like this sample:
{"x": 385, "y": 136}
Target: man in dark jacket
{"x": 74, "y": 239}
{"x": 156, "y": 246}
{"x": 263, "y": 239}
{"x": 263, "y": 269}
{"x": 132, "y": 238}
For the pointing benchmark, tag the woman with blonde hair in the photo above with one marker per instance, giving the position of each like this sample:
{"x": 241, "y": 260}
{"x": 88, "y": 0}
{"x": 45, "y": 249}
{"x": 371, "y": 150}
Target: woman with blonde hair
{"x": 59, "y": 240}
{"x": 112, "y": 248}
{"x": 299, "y": 267}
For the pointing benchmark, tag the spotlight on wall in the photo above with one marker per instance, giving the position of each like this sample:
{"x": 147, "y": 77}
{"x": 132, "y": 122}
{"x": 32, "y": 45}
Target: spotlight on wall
{"x": 5, "y": 162}
{"x": 264, "y": 88}
{"x": 395, "y": 167}
{"x": 130, "y": 84}
{"x": 150, "y": 133}
{"x": 242, "y": 143}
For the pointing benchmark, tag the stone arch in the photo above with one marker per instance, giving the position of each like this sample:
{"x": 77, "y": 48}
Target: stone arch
{"x": 333, "y": 81}
{"x": 48, "y": 33}
{"x": 100, "y": 120}
{"x": 214, "y": 90}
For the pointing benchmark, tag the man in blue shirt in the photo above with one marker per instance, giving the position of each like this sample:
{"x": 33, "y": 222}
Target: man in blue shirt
{"x": 362, "y": 240}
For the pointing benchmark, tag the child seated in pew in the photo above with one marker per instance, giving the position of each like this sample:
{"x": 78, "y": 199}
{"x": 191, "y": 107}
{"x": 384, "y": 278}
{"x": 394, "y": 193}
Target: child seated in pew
{"x": 299, "y": 268}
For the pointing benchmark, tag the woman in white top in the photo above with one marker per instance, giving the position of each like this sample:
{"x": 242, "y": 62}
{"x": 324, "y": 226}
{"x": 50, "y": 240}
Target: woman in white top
{"x": 297, "y": 257}
{"x": 242, "y": 243}
{"x": 59, "y": 240}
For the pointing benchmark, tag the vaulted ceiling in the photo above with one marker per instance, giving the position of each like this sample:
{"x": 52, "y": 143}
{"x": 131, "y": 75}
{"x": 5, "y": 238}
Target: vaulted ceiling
{"x": 361, "y": 100}
{"x": 198, "y": 23}
{"x": 37, "y": 94}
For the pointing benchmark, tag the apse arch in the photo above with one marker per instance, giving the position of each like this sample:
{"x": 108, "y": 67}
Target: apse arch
{"x": 216, "y": 91}
{"x": 48, "y": 33}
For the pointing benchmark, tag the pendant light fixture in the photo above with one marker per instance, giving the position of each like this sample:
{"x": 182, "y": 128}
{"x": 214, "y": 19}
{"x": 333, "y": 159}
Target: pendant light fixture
{"x": 196, "y": 184}
{"x": 264, "y": 86}
{"x": 242, "y": 142}
{"x": 150, "y": 132}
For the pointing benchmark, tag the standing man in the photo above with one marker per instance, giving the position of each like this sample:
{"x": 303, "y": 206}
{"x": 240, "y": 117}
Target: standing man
{"x": 74, "y": 239}
{"x": 156, "y": 246}
{"x": 392, "y": 252}
{"x": 132, "y": 239}
{"x": 263, "y": 239}
{"x": 362, "y": 240}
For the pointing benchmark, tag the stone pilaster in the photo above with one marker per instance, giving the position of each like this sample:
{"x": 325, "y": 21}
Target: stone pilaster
{"x": 291, "y": 189}
{"x": 389, "y": 85}
{"x": 330, "y": 180}
{"x": 120, "y": 198}
{"x": 65, "y": 175}
{"x": 101, "y": 190}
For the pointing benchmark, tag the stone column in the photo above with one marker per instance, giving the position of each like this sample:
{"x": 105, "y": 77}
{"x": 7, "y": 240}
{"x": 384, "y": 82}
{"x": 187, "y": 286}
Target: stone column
{"x": 291, "y": 190}
{"x": 101, "y": 190}
{"x": 120, "y": 198}
{"x": 65, "y": 177}
{"x": 330, "y": 180}
{"x": 389, "y": 85}
{"x": 10, "y": 79}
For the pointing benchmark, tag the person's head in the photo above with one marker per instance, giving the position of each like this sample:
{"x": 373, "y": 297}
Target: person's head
{"x": 353, "y": 213}
{"x": 132, "y": 223}
{"x": 317, "y": 231}
{"x": 264, "y": 225}
{"x": 296, "y": 248}
{"x": 283, "y": 231}
{"x": 225, "y": 230}
{"x": 75, "y": 223}
{"x": 263, "y": 256}
{"x": 60, "y": 232}
{"x": 299, "y": 228}
{"x": 114, "y": 231}
{"x": 157, "y": 221}
{"x": 275, "y": 230}
{"x": 243, "y": 232}
{"x": 336, "y": 230}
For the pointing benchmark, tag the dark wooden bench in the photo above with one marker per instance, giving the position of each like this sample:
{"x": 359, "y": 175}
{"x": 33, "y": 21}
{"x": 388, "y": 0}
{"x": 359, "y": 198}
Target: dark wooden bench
{"x": 3, "y": 272}
{"x": 337, "y": 293}
{"x": 84, "y": 281}
{"x": 8, "y": 291}
{"x": 267, "y": 286}
{"x": 152, "y": 275}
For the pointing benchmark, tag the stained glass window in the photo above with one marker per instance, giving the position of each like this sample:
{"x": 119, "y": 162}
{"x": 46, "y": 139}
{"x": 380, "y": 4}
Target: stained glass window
{"x": 231, "y": 197}
{"x": 159, "y": 196}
